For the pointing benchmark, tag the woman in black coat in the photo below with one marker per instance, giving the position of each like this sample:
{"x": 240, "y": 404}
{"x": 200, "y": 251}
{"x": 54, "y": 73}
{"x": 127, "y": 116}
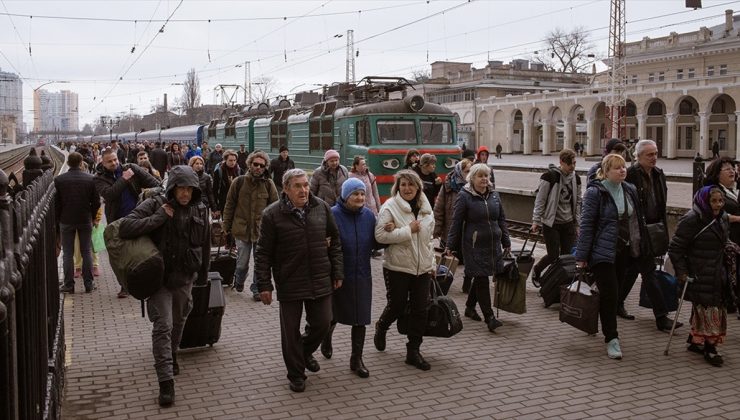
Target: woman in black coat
{"x": 698, "y": 250}
{"x": 479, "y": 230}
{"x": 206, "y": 185}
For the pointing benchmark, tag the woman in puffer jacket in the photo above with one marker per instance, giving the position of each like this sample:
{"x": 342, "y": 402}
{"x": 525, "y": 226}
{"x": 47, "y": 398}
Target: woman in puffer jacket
{"x": 697, "y": 249}
{"x": 406, "y": 223}
{"x": 610, "y": 230}
{"x": 479, "y": 232}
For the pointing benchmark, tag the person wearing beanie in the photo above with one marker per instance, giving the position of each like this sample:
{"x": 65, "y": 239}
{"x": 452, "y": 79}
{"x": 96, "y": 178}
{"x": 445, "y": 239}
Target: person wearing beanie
{"x": 482, "y": 157}
{"x": 352, "y": 302}
{"x": 426, "y": 171}
{"x": 613, "y": 146}
{"x": 278, "y": 166}
{"x": 327, "y": 179}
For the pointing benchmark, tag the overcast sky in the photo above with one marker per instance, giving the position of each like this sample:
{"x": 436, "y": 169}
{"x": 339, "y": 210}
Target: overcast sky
{"x": 292, "y": 42}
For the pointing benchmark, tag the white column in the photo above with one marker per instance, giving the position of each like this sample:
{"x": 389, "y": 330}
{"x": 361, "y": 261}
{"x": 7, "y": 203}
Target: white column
{"x": 641, "y": 126}
{"x": 569, "y": 132}
{"x": 509, "y": 146}
{"x": 590, "y": 138}
{"x": 527, "y": 136}
{"x": 704, "y": 144}
{"x": 671, "y": 141}
{"x": 737, "y": 134}
{"x": 546, "y": 136}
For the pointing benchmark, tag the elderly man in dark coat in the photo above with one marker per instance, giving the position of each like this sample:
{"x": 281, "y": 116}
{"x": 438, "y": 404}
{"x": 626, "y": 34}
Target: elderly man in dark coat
{"x": 299, "y": 246}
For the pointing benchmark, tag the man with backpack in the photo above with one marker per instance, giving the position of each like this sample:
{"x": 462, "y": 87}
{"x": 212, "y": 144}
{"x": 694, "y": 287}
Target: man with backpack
{"x": 248, "y": 195}
{"x": 177, "y": 224}
{"x": 557, "y": 209}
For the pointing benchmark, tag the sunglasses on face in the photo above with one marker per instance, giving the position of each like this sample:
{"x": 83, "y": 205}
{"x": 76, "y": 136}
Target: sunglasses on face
{"x": 258, "y": 165}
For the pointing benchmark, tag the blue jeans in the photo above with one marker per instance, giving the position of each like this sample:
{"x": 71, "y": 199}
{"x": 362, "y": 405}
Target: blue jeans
{"x": 244, "y": 250}
{"x": 84, "y": 231}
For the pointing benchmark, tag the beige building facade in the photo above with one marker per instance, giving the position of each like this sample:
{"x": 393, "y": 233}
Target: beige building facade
{"x": 681, "y": 89}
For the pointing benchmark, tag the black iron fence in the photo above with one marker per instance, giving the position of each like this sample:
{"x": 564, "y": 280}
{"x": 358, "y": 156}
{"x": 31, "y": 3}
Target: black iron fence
{"x": 31, "y": 321}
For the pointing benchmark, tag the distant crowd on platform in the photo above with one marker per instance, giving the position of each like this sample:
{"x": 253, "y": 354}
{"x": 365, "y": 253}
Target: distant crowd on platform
{"x": 312, "y": 239}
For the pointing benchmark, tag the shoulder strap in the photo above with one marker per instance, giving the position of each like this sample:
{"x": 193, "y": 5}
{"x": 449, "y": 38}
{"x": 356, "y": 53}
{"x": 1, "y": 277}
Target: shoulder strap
{"x": 703, "y": 229}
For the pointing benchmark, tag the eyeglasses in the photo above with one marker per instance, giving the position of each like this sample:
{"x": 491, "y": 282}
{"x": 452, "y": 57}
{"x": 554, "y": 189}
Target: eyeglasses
{"x": 258, "y": 165}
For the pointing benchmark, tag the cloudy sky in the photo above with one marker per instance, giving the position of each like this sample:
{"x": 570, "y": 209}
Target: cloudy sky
{"x": 89, "y": 43}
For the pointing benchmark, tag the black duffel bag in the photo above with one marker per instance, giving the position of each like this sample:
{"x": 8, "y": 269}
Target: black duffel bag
{"x": 443, "y": 319}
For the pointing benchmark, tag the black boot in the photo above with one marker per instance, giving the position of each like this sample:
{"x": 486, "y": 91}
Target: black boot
{"x": 175, "y": 366}
{"x": 492, "y": 322}
{"x": 326, "y": 349}
{"x": 166, "y": 393}
{"x": 358, "y": 343}
{"x": 622, "y": 312}
{"x": 379, "y": 337}
{"x": 413, "y": 357}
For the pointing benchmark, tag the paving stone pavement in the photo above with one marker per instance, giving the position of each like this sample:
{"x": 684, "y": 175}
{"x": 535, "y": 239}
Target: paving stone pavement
{"x": 532, "y": 367}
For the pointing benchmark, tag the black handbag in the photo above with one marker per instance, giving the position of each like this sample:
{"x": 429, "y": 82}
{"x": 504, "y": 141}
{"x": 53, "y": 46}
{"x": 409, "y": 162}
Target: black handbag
{"x": 443, "y": 319}
{"x": 577, "y": 309}
{"x": 658, "y": 238}
{"x": 509, "y": 270}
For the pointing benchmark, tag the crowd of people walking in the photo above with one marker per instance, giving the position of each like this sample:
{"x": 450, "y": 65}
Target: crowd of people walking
{"x": 313, "y": 239}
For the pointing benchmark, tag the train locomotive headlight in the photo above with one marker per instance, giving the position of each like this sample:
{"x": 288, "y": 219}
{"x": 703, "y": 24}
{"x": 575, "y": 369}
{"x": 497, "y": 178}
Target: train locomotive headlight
{"x": 415, "y": 102}
{"x": 392, "y": 164}
{"x": 451, "y": 162}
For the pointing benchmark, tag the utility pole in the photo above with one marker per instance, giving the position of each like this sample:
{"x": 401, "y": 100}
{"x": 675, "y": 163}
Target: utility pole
{"x": 247, "y": 83}
{"x": 616, "y": 104}
{"x": 350, "y": 64}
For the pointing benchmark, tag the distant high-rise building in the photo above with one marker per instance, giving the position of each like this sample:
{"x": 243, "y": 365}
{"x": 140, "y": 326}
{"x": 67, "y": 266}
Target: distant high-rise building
{"x": 11, "y": 98}
{"x": 55, "y": 111}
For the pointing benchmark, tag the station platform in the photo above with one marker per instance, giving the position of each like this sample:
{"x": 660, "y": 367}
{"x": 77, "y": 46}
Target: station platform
{"x": 533, "y": 367}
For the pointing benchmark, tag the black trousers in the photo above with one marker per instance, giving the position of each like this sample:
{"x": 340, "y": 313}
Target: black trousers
{"x": 402, "y": 289}
{"x": 559, "y": 240}
{"x": 645, "y": 266}
{"x": 607, "y": 277}
{"x": 296, "y": 347}
{"x": 480, "y": 293}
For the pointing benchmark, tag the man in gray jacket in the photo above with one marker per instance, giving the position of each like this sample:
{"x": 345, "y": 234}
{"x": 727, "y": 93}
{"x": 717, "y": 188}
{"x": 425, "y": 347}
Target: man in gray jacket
{"x": 177, "y": 223}
{"x": 557, "y": 209}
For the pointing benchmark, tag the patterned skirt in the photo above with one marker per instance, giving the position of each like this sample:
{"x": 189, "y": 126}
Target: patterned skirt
{"x": 708, "y": 323}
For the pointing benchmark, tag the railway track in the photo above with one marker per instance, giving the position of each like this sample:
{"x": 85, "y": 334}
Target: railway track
{"x": 12, "y": 161}
{"x": 521, "y": 230}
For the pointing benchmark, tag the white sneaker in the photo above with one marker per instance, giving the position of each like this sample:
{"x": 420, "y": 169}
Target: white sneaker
{"x": 613, "y": 350}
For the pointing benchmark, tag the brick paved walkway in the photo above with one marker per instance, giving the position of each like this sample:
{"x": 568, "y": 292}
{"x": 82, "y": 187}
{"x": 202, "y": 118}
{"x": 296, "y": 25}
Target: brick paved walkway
{"x": 533, "y": 367}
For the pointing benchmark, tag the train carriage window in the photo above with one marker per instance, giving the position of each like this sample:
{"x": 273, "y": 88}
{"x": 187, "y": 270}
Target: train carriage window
{"x": 436, "y": 132}
{"x": 279, "y": 129}
{"x": 362, "y": 133}
{"x": 396, "y": 132}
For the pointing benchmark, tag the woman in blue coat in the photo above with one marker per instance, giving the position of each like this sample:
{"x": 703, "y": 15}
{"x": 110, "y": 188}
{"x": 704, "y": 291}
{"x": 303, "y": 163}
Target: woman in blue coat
{"x": 353, "y": 300}
{"x": 610, "y": 231}
{"x": 479, "y": 231}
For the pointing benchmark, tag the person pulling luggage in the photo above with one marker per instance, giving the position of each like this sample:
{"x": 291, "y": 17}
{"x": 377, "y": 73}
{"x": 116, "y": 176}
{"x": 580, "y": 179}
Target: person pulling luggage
{"x": 177, "y": 223}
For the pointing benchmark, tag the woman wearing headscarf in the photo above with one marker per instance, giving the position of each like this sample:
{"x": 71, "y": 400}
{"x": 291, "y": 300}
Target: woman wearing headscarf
{"x": 697, "y": 249}
{"x": 480, "y": 234}
{"x": 352, "y": 302}
{"x": 443, "y": 207}
{"x": 406, "y": 223}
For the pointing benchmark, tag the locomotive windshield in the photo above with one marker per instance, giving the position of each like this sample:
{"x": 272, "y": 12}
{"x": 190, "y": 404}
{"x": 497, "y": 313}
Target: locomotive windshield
{"x": 397, "y": 132}
{"x": 436, "y": 132}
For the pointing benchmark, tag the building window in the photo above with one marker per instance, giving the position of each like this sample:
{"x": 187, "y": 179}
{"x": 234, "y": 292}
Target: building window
{"x": 661, "y": 76}
{"x": 634, "y": 79}
{"x": 651, "y": 77}
{"x": 679, "y": 74}
{"x": 722, "y": 69}
{"x": 710, "y": 70}
{"x": 689, "y": 138}
{"x": 691, "y": 73}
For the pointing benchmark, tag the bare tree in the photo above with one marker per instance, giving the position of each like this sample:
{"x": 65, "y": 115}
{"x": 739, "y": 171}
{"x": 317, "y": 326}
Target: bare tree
{"x": 190, "y": 99}
{"x": 421, "y": 75}
{"x": 263, "y": 88}
{"x": 87, "y": 130}
{"x": 567, "y": 52}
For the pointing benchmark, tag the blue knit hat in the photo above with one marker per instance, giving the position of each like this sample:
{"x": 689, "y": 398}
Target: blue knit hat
{"x": 351, "y": 185}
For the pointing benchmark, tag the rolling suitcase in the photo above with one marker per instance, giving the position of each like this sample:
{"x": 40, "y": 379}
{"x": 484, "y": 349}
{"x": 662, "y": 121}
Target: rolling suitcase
{"x": 203, "y": 326}
{"x": 525, "y": 258}
{"x": 668, "y": 287}
{"x": 225, "y": 264}
{"x": 557, "y": 274}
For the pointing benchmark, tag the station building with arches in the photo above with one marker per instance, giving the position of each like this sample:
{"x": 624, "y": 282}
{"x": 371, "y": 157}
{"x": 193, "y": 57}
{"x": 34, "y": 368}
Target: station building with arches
{"x": 682, "y": 91}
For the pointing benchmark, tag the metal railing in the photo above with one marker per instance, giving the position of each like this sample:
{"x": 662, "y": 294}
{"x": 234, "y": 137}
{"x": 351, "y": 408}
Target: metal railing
{"x": 31, "y": 321}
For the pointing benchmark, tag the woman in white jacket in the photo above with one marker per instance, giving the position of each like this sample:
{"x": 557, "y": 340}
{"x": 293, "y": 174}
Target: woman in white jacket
{"x": 405, "y": 223}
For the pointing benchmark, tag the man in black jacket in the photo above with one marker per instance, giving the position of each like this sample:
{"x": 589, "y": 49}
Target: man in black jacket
{"x": 279, "y": 166}
{"x": 651, "y": 192}
{"x": 120, "y": 188}
{"x": 299, "y": 245}
{"x": 76, "y": 206}
{"x": 177, "y": 223}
